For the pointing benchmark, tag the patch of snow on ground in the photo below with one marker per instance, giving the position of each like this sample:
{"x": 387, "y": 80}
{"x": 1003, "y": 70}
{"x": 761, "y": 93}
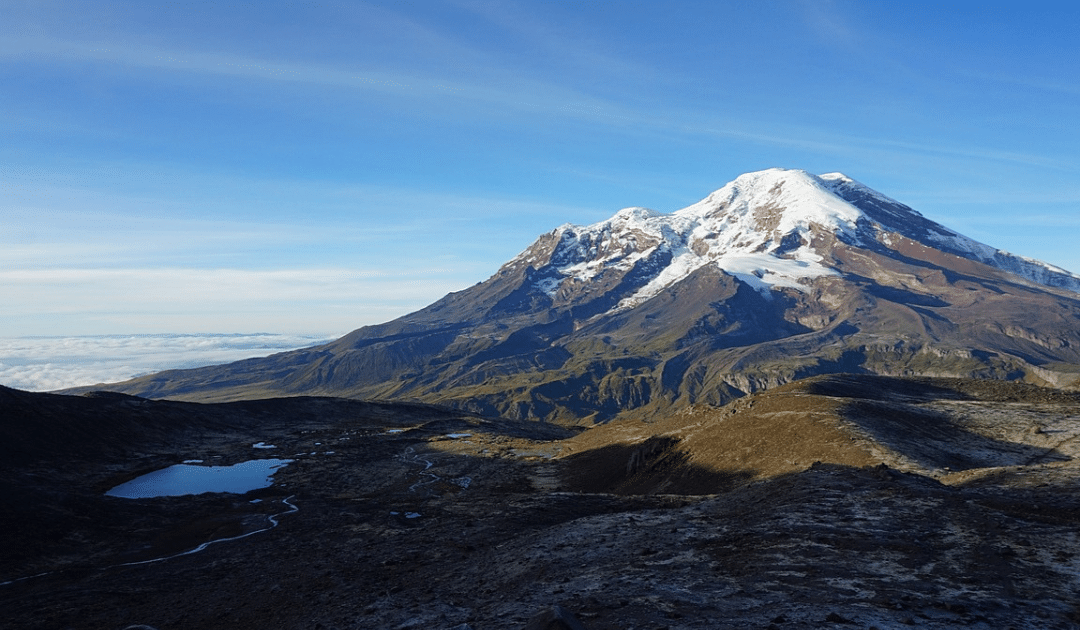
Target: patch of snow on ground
{"x": 681, "y": 266}
{"x": 548, "y": 286}
{"x": 834, "y": 181}
{"x": 764, "y": 272}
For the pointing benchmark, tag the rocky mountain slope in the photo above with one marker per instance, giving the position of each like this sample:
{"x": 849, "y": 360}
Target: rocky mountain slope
{"x": 836, "y": 501}
{"x": 777, "y": 276}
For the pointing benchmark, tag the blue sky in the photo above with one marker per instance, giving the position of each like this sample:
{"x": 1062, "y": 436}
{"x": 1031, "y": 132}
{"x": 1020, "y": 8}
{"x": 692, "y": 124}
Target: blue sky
{"x": 317, "y": 166}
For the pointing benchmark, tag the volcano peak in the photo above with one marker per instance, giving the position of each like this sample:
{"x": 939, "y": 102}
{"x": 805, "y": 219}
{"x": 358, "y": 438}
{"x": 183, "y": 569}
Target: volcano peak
{"x": 780, "y": 274}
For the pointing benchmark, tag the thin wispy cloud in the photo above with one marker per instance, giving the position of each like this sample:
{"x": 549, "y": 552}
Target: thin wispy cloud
{"x": 146, "y": 289}
{"x": 555, "y": 43}
{"x": 152, "y": 300}
{"x": 831, "y": 24}
{"x": 527, "y": 95}
{"x": 190, "y": 143}
{"x": 184, "y": 215}
{"x": 490, "y": 86}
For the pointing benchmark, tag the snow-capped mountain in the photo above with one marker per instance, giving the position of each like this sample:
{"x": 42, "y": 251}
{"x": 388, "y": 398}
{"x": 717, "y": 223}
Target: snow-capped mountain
{"x": 772, "y": 228}
{"x": 776, "y": 276}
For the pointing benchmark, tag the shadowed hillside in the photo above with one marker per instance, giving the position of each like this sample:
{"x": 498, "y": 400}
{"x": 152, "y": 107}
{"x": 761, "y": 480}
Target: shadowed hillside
{"x": 840, "y": 499}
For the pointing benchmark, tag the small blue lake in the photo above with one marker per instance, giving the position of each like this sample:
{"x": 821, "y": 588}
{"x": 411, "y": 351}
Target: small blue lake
{"x": 182, "y": 479}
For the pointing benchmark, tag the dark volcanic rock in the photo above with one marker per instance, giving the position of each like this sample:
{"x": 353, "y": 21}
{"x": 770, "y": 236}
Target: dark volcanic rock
{"x": 554, "y": 618}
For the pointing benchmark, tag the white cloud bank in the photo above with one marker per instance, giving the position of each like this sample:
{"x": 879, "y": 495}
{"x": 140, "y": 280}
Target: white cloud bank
{"x": 141, "y": 301}
{"x": 51, "y": 363}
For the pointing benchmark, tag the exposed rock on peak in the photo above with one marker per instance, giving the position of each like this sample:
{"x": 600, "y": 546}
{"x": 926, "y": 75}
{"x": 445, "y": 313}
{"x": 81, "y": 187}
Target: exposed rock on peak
{"x": 772, "y": 228}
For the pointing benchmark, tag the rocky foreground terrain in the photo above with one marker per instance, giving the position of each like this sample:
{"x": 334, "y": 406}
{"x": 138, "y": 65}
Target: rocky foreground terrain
{"x": 838, "y": 501}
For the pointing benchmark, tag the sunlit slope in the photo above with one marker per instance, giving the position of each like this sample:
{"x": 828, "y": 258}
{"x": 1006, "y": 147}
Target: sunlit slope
{"x": 955, "y": 430}
{"x": 778, "y": 276}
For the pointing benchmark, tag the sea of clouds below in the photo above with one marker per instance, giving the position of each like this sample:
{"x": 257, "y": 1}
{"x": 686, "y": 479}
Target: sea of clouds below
{"x": 52, "y": 363}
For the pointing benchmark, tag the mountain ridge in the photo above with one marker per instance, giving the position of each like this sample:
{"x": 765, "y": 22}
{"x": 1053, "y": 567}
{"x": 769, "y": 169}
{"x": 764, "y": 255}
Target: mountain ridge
{"x": 777, "y": 276}
{"x": 752, "y": 224}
